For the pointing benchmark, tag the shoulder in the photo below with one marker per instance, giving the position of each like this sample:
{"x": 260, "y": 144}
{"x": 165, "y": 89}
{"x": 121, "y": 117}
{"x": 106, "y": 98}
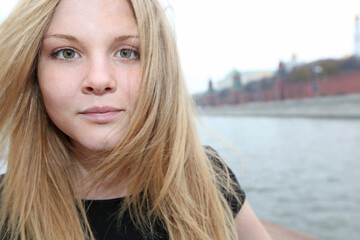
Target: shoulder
{"x": 229, "y": 186}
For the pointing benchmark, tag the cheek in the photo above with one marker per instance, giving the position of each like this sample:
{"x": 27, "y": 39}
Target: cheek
{"x": 54, "y": 96}
{"x": 135, "y": 95}
{"x": 131, "y": 82}
{"x": 134, "y": 90}
{"x": 56, "y": 92}
{"x": 57, "y": 107}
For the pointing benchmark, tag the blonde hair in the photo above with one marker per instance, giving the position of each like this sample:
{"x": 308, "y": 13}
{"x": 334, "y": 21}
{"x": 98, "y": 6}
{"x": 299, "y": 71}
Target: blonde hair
{"x": 170, "y": 177}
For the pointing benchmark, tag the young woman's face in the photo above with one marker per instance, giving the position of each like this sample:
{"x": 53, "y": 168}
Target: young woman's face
{"x": 89, "y": 71}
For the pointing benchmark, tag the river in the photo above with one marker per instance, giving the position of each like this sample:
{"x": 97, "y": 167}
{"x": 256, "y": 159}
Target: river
{"x": 300, "y": 173}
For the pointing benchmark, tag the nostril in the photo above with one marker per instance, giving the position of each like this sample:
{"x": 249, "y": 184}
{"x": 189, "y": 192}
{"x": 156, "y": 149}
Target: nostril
{"x": 97, "y": 88}
{"x": 89, "y": 89}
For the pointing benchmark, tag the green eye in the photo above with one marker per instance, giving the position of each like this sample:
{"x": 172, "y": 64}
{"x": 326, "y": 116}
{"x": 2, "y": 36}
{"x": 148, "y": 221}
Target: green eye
{"x": 127, "y": 54}
{"x": 65, "y": 54}
{"x": 68, "y": 54}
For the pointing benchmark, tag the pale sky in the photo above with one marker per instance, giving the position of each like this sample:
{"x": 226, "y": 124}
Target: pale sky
{"x": 215, "y": 36}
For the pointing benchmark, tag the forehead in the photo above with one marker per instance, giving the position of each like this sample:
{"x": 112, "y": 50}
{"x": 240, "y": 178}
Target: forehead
{"x": 93, "y": 15}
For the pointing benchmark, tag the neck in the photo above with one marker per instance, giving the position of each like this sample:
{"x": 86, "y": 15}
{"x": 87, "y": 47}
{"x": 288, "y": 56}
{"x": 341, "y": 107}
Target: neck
{"x": 90, "y": 182}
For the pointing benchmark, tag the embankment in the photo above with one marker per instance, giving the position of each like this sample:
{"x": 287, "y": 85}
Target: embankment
{"x": 343, "y": 106}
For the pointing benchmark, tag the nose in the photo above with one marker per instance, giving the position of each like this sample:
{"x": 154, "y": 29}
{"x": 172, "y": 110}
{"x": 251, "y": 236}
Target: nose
{"x": 99, "y": 79}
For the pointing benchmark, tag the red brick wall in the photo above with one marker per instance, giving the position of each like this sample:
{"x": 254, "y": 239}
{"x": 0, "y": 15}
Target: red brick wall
{"x": 344, "y": 83}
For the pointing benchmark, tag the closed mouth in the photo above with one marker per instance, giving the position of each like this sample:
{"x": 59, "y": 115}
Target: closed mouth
{"x": 103, "y": 114}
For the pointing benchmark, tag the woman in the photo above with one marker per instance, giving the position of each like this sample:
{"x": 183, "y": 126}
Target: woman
{"x": 98, "y": 130}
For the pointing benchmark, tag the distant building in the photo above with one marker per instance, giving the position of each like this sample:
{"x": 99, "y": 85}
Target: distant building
{"x": 292, "y": 63}
{"x": 236, "y": 80}
{"x": 250, "y": 76}
{"x": 292, "y": 80}
{"x": 357, "y": 37}
{"x": 210, "y": 88}
{"x": 229, "y": 81}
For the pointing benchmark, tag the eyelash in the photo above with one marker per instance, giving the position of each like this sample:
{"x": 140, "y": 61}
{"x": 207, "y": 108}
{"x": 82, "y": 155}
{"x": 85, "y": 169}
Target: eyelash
{"x": 56, "y": 54}
{"x": 134, "y": 53}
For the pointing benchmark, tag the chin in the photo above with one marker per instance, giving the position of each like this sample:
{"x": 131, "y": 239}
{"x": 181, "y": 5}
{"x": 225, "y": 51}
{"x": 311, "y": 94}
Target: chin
{"x": 101, "y": 147}
{"x": 95, "y": 147}
{"x": 97, "y": 142}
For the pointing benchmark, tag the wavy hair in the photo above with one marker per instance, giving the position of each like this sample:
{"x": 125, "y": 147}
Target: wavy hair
{"x": 170, "y": 177}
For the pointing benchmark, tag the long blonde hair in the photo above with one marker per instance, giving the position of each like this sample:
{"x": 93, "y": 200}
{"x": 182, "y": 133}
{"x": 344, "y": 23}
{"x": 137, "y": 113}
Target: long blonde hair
{"x": 169, "y": 175}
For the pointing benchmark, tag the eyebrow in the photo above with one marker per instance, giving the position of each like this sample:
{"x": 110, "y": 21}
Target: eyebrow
{"x": 72, "y": 38}
{"x": 63, "y": 36}
{"x": 126, "y": 37}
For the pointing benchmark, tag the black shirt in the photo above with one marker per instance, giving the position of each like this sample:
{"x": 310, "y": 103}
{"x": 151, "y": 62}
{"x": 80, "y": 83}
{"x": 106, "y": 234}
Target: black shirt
{"x": 102, "y": 216}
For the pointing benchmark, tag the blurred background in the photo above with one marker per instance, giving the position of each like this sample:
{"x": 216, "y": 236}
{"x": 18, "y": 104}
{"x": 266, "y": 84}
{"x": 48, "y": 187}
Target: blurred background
{"x": 279, "y": 81}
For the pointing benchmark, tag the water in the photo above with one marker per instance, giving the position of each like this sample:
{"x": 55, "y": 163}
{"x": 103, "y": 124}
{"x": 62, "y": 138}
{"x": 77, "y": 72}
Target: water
{"x": 300, "y": 173}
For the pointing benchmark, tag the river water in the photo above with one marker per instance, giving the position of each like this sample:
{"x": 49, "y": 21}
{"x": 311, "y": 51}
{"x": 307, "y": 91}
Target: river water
{"x": 300, "y": 173}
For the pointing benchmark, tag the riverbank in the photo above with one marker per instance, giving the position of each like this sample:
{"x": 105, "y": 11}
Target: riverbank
{"x": 343, "y": 106}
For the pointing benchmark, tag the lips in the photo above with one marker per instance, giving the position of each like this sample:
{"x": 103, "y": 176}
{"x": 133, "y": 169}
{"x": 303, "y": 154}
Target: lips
{"x": 102, "y": 115}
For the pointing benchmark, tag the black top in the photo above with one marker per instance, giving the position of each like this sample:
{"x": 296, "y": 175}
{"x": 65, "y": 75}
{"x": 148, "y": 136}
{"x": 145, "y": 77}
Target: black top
{"x": 102, "y": 216}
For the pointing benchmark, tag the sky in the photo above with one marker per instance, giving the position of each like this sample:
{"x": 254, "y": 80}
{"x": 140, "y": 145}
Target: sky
{"x": 215, "y": 37}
